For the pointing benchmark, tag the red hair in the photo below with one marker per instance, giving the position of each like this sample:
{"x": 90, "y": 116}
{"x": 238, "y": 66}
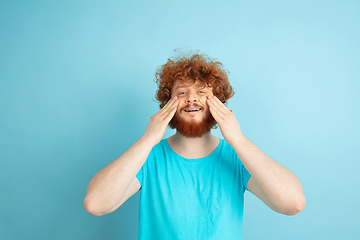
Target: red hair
{"x": 197, "y": 68}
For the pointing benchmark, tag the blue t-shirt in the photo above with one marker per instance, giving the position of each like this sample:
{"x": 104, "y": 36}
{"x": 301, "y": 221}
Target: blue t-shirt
{"x": 192, "y": 198}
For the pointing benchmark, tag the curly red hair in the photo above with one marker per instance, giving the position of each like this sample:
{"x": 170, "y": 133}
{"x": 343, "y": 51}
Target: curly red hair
{"x": 196, "y": 68}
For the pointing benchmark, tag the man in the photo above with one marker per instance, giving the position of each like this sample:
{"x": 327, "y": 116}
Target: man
{"x": 192, "y": 184}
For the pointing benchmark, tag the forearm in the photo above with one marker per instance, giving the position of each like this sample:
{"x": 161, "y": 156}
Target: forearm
{"x": 275, "y": 185}
{"x": 281, "y": 188}
{"x": 109, "y": 185}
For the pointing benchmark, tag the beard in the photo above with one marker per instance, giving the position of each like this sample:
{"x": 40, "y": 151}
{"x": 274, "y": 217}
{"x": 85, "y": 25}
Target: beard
{"x": 192, "y": 128}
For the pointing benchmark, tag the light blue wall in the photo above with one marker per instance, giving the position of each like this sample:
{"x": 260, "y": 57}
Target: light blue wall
{"x": 76, "y": 90}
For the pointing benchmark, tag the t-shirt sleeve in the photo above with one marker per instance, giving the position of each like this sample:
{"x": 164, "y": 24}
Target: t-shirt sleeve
{"x": 245, "y": 176}
{"x": 140, "y": 176}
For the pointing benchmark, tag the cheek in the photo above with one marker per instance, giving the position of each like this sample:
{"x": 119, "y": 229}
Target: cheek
{"x": 203, "y": 100}
{"x": 182, "y": 100}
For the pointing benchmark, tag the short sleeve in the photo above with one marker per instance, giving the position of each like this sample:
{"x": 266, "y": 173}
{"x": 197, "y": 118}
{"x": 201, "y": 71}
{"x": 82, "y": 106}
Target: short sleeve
{"x": 140, "y": 176}
{"x": 245, "y": 176}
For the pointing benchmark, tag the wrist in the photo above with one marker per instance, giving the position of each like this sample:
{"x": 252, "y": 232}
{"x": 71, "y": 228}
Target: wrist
{"x": 147, "y": 141}
{"x": 240, "y": 139}
{"x": 241, "y": 144}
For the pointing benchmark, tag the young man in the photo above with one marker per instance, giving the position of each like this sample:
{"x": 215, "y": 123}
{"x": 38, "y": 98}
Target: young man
{"x": 192, "y": 184}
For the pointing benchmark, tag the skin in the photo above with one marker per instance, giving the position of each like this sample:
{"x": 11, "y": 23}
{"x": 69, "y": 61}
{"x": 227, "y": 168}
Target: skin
{"x": 191, "y": 94}
{"x": 117, "y": 182}
{"x": 192, "y": 147}
{"x": 275, "y": 185}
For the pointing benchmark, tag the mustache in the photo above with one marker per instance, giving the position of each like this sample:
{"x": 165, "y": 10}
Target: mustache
{"x": 193, "y": 105}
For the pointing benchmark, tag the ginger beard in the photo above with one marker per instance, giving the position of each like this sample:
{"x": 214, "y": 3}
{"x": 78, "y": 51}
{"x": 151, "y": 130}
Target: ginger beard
{"x": 193, "y": 128}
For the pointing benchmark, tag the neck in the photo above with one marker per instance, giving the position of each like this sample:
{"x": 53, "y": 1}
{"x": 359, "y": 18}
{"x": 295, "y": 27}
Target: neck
{"x": 193, "y": 147}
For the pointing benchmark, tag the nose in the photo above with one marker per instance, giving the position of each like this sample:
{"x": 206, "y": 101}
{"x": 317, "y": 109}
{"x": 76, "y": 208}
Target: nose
{"x": 192, "y": 98}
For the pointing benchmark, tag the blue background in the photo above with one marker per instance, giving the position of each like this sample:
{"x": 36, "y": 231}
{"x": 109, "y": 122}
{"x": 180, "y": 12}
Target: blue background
{"x": 77, "y": 89}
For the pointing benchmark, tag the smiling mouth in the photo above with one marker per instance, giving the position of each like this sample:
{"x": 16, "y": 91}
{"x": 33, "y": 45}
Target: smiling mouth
{"x": 192, "y": 110}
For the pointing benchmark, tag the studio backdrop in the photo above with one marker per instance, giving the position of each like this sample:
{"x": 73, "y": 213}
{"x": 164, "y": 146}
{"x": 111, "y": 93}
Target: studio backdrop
{"x": 77, "y": 90}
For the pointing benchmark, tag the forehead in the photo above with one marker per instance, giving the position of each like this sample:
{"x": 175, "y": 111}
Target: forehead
{"x": 188, "y": 83}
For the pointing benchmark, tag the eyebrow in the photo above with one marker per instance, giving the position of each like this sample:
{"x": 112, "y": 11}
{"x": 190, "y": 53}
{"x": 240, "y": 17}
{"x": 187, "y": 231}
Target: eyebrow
{"x": 183, "y": 86}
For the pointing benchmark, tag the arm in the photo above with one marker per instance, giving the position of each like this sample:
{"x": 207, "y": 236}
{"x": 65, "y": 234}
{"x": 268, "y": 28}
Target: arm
{"x": 275, "y": 185}
{"x": 115, "y": 183}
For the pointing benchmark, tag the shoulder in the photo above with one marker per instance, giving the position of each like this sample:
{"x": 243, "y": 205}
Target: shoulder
{"x": 160, "y": 146}
{"x": 226, "y": 151}
{"x": 158, "y": 150}
{"x": 225, "y": 147}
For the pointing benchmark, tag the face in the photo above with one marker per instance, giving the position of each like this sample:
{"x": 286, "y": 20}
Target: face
{"x": 192, "y": 118}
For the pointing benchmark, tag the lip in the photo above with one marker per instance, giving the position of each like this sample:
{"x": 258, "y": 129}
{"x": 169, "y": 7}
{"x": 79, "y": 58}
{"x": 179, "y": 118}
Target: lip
{"x": 189, "y": 107}
{"x": 192, "y": 109}
{"x": 185, "y": 110}
{"x": 192, "y": 113}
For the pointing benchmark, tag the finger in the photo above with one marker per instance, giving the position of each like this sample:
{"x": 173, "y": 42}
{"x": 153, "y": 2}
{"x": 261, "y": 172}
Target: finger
{"x": 215, "y": 104}
{"x": 219, "y": 104}
{"x": 218, "y": 118}
{"x": 215, "y": 108}
{"x": 171, "y": 113}
{"x": 168, "y": 106}
{"x": 169, "y": 103}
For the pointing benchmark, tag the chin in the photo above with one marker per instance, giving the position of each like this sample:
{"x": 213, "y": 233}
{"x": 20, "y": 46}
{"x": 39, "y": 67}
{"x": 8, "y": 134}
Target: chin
{"x": 193, "y": 128}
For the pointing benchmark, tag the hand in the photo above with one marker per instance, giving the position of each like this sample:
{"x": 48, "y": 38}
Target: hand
{"x": 156, "y": 128}
{"x": 229, "y": 126}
